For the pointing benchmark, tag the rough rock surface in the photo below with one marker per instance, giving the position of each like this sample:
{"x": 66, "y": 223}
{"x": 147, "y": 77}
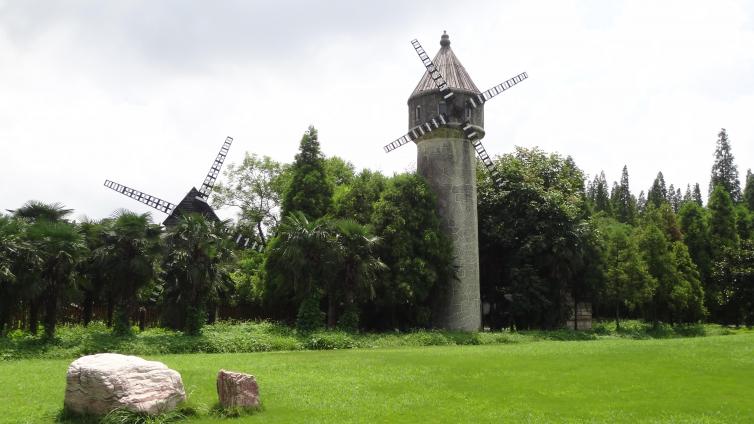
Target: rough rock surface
{"x": 97, "y": 384}
{"x": 236, "y": 389}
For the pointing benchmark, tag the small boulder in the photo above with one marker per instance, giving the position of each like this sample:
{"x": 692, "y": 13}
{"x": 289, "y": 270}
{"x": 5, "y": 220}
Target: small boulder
{"x": 236, "y": 389}
{"x": 98, "y": 384}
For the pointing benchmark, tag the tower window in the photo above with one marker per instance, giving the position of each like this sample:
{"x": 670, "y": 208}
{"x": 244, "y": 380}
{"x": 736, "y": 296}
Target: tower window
{"x": 418, "y": 114}
{"x": 468, "y": 113}
{"x": 442, "y": 108}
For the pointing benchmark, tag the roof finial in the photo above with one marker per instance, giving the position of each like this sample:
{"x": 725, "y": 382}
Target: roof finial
{"x": 444, "y": 40}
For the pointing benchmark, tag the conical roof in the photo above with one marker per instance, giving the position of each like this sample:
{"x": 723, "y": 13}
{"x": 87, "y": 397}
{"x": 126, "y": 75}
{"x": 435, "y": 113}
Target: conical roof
{"x": 450, "y": 68}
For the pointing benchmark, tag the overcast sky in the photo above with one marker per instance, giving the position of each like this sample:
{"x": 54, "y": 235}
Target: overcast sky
{"x": 145, "y": 92}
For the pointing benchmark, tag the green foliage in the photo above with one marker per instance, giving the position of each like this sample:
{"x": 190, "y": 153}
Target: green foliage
{"x": 598, "y": 194}
{"x": 356, "y": 201}
{"x": 255, "y": 187}
{"x": 309, "y": 317}
{"x": 534, "y": 238}
{"x": 724, "y": 170}
{"x": 696, "y": 236}
{"x": 628, "y": 282}
{"x": 125, "y": 416}
{"x": 195, "y": 269}
{"x": 349, "y": 319}
{"x": 60, "y": 246}
{"x": 624, "y": 204}
{"x": 722, "y": 222}
{"x": 658, "y": 194}
{"x": 310, "y": 190}
{"x": 748, "y": 198}
{"x": 129, "y": 260}
{"x": 329, "y": 340}
{"x": 414, "y": 248}
{"x": 744, "y": 222}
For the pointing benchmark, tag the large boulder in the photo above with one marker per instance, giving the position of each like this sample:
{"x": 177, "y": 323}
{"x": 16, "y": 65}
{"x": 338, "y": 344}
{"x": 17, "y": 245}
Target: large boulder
{"x": 98, "y": 384}
{"x": 236, "y": 389}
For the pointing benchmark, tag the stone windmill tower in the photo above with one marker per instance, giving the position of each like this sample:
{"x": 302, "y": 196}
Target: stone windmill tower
{"x": 446, "y": 121}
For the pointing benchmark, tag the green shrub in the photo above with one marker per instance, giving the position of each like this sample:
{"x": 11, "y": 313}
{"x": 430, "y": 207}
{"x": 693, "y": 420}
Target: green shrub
{"x": 327, "y": 340}
{"x": 309, "y": 317}
{"x": 349, "y": 321}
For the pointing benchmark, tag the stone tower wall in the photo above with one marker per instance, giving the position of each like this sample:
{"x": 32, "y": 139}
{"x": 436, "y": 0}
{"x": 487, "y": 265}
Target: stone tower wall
{"x": 448, "y": 165}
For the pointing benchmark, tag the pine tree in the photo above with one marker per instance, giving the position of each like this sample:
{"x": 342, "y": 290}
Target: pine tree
{"x": 696, "y": 236}
{"x": 658, "y": 193}
{"x": 641, "y": 204}
{"x": 687, "y": 196}
{"x": 624, "y": 204}
{"x": 310, "y": 191}
{"x": 599, "y": 195}
{"x": 722, "y": 222}
{"x": 697, "y": 195}
{"x": 674, "y": 198}
{"x": 724, "y": 170}
{"x": 749, "y": 190}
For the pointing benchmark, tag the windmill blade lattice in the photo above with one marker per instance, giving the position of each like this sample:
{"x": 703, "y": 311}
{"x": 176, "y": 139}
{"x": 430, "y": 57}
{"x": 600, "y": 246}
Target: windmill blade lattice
{"x": 484, "y": 97}
{"x": 434, "y": 73}
{"x": 214, "y": 171}
{"x": 473, "y": 137}
{"x": 417, "y": 132}
{"x": 147, "y": 199}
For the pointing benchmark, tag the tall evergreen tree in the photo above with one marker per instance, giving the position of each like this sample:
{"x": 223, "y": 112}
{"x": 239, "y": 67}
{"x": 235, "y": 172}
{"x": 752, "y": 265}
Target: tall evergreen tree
{"x": 696, "y": 236}
{"x": 697, "y": 195}
{"x": 598, "y": 194}
{"x": 658, "y": 193}
{"x": 310, "y": 190}
{"x": 724, "y": 170}
{"x": 624, "y": 203}
{"x": 687, "y": 196}
{"x": 722, "y": 222}
{"x": 749, "y": 190}
{"x": 641, "y": 203}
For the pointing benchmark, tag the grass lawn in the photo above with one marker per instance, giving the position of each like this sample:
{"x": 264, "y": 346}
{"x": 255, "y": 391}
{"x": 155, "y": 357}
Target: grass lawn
{"x": 702, "y": 379}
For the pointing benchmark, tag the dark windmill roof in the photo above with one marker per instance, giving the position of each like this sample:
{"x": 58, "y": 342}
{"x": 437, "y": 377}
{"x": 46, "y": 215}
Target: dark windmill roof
{"x": 450, "y": 68}
{"x": 192, "y": 203}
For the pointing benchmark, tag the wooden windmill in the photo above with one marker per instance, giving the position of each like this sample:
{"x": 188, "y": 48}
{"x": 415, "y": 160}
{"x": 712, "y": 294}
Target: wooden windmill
{"x": 195, "y": 200}
{"x": 446, "y": 121}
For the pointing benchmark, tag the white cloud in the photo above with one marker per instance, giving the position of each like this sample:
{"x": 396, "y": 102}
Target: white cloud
{"x": 144, "y": 93}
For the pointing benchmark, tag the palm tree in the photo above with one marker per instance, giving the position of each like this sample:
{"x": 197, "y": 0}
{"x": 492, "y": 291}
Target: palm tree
{"x": 61, "y": 246}
{"x": 34, "y": 210}
{"x": 18, "y": 259}
{"x": 93, "y": 268}
{"x": 195, "y": 269}
{"x": 32, "y": 284}
{"x": 131, "y": 256}
{"x": 303, "y": 254}
{"x": 360, "y": 266}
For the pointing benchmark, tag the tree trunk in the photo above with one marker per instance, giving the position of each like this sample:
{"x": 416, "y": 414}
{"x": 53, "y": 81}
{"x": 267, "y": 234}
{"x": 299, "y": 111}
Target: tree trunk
{"x": 261, "y": 234}
{"x": 331, "y": 309}
{"x": 617, "y": 316}
{"x": 86, "y": 313}
{"x": 51, "y": 311}
{"x": 142, "y": 318}
{"x": 34, "y": 316}
{"x": 110, "y": 309}
{"x": 575, "y": 313}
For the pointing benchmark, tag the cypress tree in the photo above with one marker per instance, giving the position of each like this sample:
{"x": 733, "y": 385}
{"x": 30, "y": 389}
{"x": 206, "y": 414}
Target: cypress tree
{"x": 310, "y": 190}
{"x": 722, "y": 222}
{"x": 687, "y": 197}
{"x": 749, "y": 190}
{"x": 641, "y": 203}
{"x": 599, "y": 195}
{"x": 658, "y": 193}
{"x": 697, "y": 195}
{"x": 724, "y": 170}
{"x": 624, "y": 203}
